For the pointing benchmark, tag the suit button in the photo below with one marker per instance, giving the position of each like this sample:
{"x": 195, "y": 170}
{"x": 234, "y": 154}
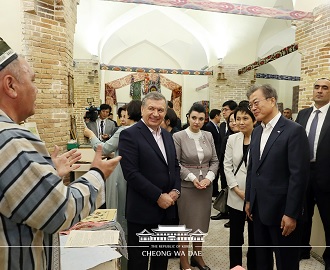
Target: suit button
{"x": 258, "y": 173}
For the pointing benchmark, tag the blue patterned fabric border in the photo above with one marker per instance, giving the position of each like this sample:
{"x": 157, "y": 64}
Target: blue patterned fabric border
{"x": 277, "y": 77}
{"x": 280, "y": 53}
{"x": 155, "y": 70}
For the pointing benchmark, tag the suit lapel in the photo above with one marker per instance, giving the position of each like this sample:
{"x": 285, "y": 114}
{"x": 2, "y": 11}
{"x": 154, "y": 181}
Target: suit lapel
{"x": 255, "y": 142}
{"x": 166, "y": 145}
{"x": 276, "y": 132}
{"x": 305, "y": 117}
{"x": 325, "y": 126}
{"x": 151, "y": 140}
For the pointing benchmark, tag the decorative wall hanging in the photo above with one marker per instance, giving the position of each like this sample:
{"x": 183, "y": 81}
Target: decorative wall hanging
{"x": 269, "y": 58}
{"x": 230, "y": 8}
{"x": 110, "y": 87}
{"x": 202, "y": 87}
{"x": 155, "y": 70}
{"x": 277, "y": 77}
{"x": 136, "y": 93}
{"x": 110, "y": 95}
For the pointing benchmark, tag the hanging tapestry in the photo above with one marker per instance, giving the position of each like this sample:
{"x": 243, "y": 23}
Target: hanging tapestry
{"x": 289, "y": 49}
{"x": 136, "y": 90}
{"x": 176, "y": 98}
{"x": 110, "y": 95}
{"x": 155, "y": 85}
{"x": 131, "y": 86}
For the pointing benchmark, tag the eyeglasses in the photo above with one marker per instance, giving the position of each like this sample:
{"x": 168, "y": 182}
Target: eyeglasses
{"x": 255, "y": 103}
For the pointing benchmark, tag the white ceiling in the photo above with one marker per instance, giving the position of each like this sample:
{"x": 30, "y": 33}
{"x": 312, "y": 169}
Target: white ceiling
{"x": 191, "y": 39}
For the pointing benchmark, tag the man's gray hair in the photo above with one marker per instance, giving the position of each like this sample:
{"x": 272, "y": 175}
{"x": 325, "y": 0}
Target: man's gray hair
{"x": 267, "y": 90}
{"x": 154, "y": 95}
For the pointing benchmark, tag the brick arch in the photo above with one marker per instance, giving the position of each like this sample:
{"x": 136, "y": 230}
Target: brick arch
{"x": 176, "y": 97}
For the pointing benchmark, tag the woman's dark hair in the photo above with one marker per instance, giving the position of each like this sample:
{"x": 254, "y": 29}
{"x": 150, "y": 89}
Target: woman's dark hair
{"x": 171, "y": 115}
{"x": 228, "y": 120}
{"x": 197, "y": 107}
{"x": 134, "y": 110}
{"x": 122, "y": 108}
{"x": 245, "y": 110}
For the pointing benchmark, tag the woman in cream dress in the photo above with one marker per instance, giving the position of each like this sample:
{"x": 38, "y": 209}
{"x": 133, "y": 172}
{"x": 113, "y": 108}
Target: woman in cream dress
{"x": 236, "y": 150}
{"x": 199, "y": 164}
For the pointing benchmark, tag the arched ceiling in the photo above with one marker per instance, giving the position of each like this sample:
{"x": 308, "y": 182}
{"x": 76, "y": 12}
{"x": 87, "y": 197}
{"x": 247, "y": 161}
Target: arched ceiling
{"x": 190, "y": 39}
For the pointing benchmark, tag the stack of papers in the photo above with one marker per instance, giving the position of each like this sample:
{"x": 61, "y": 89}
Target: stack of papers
{"x": 87, "y": 257}
{"x": 92, "y": 238}
{"x": 101, "y": 215}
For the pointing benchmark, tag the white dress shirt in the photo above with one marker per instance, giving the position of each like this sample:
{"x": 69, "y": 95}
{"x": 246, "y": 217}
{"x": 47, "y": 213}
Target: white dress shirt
{"x": 267, "y": 130}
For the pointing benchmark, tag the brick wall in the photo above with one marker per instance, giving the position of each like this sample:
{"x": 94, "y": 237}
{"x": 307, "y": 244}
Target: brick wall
{"x": 86, "y": 85}
{"x": 48, "y": 33}
{"x": 226, "y": 84}
{"x": 314, "y": 45}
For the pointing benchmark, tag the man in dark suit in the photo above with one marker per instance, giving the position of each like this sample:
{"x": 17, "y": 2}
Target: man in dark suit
{"x": 103, "y": 127}
{"x": 212, "y": 126}
{"x": 152, "y": 172}
{"x": 227, "y": 108}
{"x": 318, "y": 190}
{"x": 276, "y": 182}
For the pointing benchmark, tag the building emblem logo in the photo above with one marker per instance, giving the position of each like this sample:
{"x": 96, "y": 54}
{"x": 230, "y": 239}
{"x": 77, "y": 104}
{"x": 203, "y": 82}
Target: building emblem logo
{"x": 171, "y": 233}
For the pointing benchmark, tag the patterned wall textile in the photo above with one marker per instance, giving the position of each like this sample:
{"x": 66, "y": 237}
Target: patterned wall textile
{"x": 176, "y": 98}
{"x": 110, "y": 95}
{"x": 277, "y": 77}
{"x": 136, "y": 90}
{"x": 155, "y": 70}
{"x": 146, "y": 84}
{"x": 231, "y": 8}
{"x": 206, "y": 105}
{"x": 202, "y": 87}
{"x": 140, "y": 77}
{"x": 269, "y": 58}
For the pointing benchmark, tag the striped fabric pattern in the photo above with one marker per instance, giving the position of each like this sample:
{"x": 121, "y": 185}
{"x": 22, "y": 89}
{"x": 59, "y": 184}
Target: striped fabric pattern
{"x": 34, "y": 203}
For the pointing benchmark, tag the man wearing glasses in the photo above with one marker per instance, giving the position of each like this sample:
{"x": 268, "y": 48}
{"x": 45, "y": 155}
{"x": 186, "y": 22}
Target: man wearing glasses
{"x": 276, "y": 182}
{"x": 318, "y": 190}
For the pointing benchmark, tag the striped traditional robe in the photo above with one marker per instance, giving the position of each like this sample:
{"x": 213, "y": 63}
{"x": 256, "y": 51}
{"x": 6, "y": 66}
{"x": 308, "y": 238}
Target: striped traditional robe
{"x": 34, "y": 203}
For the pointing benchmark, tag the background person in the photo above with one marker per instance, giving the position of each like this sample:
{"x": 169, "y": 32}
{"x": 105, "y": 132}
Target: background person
{"x": 170, "y": 121}
{"x": 213, "y": 127}
{"x": 102, "y": 127}
{"x": 178, "y": 122}
{"x": 318, "y": 190}
{"x": 276, "y": 182}
{"x": 232, "y": 128}
{"x": 116, "y": 184}
{"x": 152, "y": 173}
{"x": 235, "y": 167}
{"x": 35, "y": 204}
{"x": 287, "y": 113}
{"x": 198, "y": 160}
{"x": 111, "y": 118}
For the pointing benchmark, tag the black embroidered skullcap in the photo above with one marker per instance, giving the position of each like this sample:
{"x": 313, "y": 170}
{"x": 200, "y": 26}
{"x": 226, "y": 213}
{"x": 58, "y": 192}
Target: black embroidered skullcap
{"x": 7, "y": 54}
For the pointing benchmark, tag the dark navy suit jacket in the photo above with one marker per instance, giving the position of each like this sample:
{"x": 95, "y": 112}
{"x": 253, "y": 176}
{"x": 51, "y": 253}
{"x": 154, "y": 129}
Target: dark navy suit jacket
{"x": 322, "y": 161}
{"x": 216, "y": 136}
{"x": 277, "y": 181}
{"x": 147, "y": 173}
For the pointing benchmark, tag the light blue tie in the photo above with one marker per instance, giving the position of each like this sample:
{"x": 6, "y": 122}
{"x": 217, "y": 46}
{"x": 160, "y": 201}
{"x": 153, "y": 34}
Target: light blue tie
{"x": 312, "y": 133}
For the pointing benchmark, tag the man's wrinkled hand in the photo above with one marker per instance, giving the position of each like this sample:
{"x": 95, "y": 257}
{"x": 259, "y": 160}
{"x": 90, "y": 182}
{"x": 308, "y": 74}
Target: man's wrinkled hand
{"x": 65, "y": 163}
{"x": 104, "y": 165}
